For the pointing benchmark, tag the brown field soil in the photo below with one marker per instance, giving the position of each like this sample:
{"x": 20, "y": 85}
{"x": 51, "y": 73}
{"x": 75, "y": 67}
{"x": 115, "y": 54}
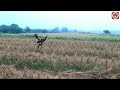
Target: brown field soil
{"x": 59, "y": 59}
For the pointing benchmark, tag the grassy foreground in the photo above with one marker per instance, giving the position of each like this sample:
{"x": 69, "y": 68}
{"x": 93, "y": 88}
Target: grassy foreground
{"x": 60, "y": 58}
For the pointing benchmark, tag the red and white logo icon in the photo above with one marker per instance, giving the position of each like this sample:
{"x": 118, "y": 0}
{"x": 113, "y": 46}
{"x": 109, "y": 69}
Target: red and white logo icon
{"x": 115, "y": 15}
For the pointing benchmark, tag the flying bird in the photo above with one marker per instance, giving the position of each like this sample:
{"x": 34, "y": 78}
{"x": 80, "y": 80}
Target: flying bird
{"x": 40, "y": 41}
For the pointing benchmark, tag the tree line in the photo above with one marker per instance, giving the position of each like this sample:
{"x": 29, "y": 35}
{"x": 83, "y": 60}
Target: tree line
{"x": 14, "y": 28}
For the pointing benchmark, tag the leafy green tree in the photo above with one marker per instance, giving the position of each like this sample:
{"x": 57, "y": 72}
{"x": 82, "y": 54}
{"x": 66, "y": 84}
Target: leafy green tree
{"x": 44, "y": 31}
{"x": 55, "y": 30}
{"x": 4, "y": 28}
{"x": 64, "y": 29}
{"x": 27, "y": 29}
{"x": 106, "y": 32}
{"x": 14, "y": 28}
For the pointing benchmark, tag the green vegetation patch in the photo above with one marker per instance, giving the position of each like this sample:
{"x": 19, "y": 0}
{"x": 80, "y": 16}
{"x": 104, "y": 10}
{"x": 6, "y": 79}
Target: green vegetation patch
{"x": 57, "y": 66}
{"x": 8, "y": 60}
{"x": 113, "y": 38}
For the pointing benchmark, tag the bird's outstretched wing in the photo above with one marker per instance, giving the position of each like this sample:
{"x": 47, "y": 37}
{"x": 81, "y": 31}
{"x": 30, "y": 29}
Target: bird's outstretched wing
{"x": 36, "y": 36}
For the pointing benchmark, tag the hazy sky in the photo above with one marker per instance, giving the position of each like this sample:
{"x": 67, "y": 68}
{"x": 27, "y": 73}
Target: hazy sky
{"x": 81, "y": 20}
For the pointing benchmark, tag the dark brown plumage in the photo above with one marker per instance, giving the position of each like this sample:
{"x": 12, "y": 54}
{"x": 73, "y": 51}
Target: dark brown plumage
{"x": 40, "y": 41}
